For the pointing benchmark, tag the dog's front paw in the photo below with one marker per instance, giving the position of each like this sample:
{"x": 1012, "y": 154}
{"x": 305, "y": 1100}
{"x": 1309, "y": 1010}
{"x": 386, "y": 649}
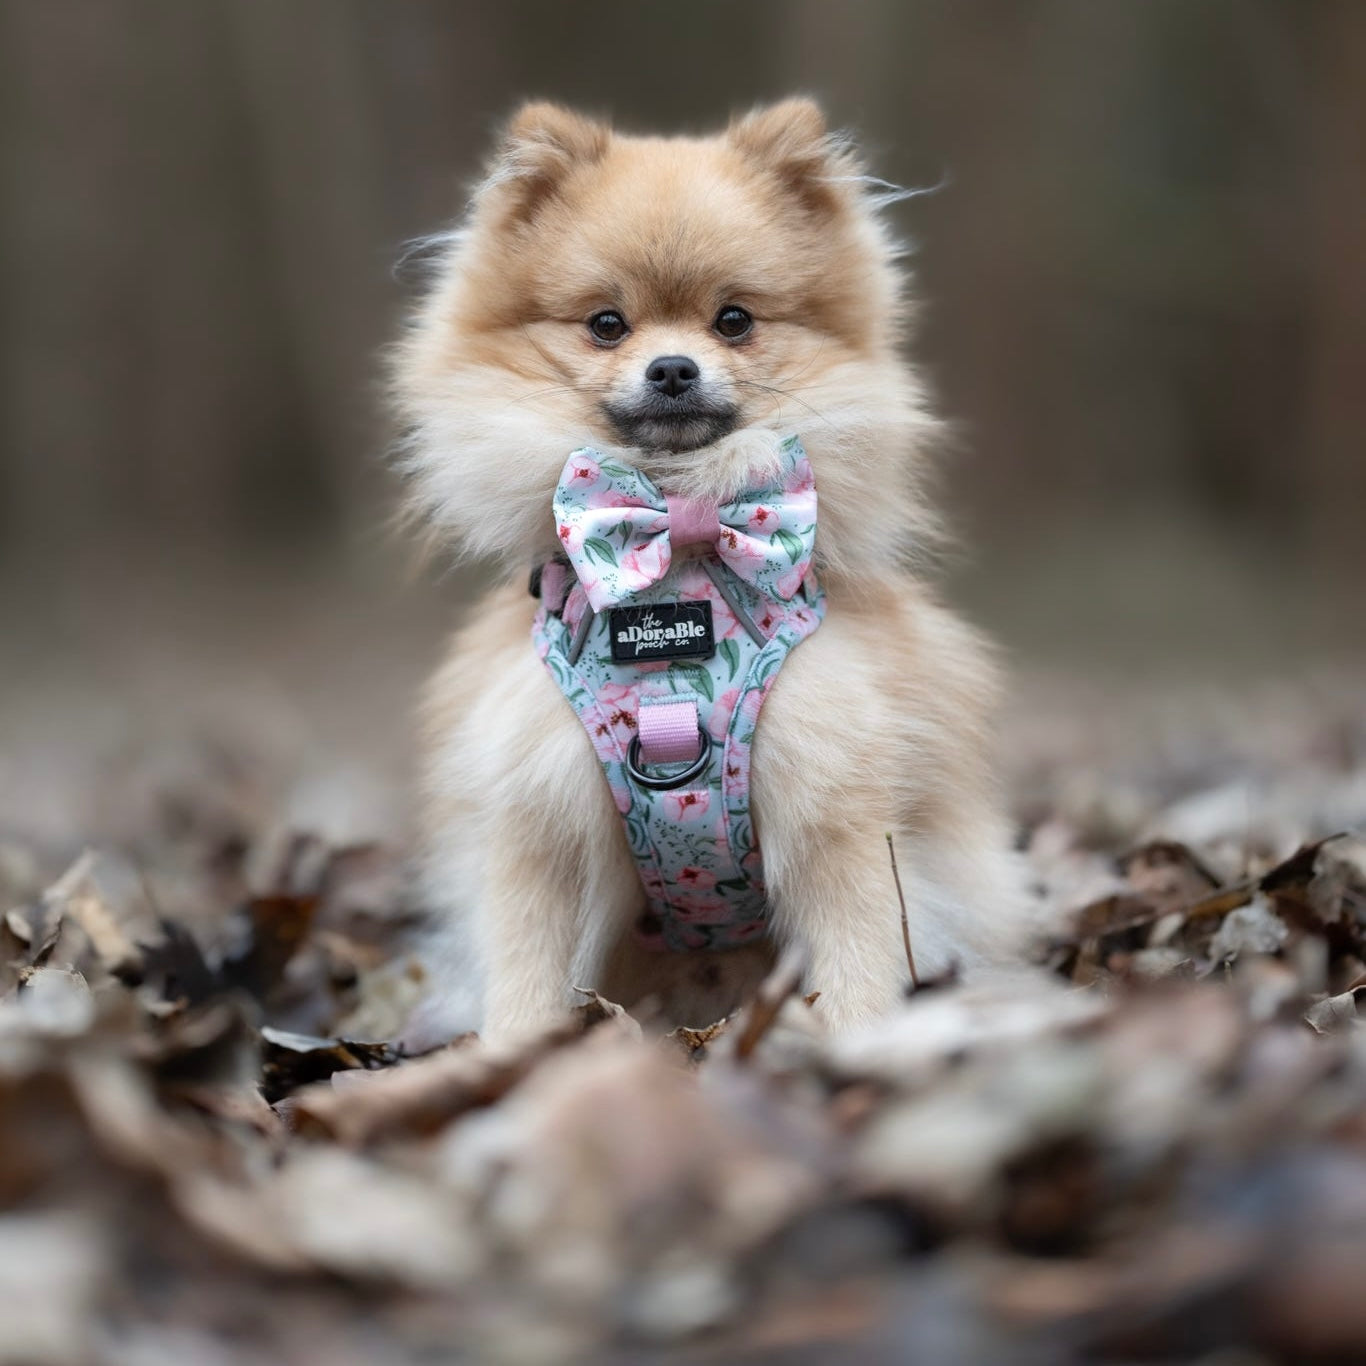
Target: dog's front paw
{"x": 744, "y": 455}
{"x": 434, "y": 1022}
{"x": 840, "y": 1013}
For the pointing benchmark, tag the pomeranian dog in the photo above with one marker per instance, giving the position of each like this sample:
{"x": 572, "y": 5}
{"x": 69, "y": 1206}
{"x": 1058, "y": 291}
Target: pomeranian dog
{"x": 752, "y": 266}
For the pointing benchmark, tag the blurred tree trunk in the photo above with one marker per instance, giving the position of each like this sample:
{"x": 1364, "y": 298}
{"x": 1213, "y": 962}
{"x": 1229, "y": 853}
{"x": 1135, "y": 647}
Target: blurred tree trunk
{"x": 1335, "y": 439}
{"x": 201, "y": 217}
{"x": 140, "y": 356}
{"x": 352, "y": 117}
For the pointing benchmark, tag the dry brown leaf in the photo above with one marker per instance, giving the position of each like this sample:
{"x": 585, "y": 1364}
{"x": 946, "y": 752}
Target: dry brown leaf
{"x": 1334, "y": 1012}
{"x": 117, "y": 954}
{"x": 411, "y": 1101}
{"x": 694, "y": 1042}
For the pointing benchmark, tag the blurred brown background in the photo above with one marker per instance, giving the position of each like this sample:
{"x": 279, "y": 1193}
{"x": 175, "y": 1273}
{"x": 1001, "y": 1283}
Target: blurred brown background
{"x": 1145, "y": 304}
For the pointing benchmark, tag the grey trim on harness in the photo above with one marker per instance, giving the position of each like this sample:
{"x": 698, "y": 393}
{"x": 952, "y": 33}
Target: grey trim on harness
{"x": 713, "y": 572}
{"x": 581, "y": 634}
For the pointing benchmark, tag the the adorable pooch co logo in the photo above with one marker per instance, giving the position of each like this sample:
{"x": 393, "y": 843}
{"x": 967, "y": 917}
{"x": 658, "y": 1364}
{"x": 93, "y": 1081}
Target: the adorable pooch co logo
{"x": 676, "y": 630}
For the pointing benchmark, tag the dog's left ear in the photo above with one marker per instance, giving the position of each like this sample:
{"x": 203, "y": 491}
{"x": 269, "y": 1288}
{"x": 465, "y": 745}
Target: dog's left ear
{"x": 791, "y": 139}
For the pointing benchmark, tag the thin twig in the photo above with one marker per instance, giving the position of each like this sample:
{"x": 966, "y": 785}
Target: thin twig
{"x": 763, "y": 1010}
{"x": 905, "y": 924}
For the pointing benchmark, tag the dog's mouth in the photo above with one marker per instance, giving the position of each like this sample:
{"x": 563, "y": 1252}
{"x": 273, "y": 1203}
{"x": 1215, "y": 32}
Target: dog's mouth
{"x": 669, "y": 424}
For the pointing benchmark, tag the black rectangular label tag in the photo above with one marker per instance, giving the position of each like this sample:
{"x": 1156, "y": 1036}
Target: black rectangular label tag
{"x": 670, "y": 630}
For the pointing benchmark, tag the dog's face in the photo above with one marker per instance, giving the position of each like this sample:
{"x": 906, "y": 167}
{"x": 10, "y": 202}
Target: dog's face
{"x": 653, "y": 294}
{"x": 679, "y": 289}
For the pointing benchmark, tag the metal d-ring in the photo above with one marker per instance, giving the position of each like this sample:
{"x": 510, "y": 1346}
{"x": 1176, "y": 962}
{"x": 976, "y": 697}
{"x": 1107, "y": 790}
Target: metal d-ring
{"x": 664, "y": 784}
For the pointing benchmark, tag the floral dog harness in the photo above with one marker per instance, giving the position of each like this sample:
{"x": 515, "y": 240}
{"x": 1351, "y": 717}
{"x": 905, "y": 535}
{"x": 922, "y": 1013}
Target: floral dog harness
{"x": 665, "y": 639}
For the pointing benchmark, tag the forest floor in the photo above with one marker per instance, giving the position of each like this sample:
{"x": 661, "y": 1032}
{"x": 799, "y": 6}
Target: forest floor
{"x": 1150, "y": 1147}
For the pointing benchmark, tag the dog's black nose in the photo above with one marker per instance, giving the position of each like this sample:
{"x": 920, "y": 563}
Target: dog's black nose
{"x": 672, "y": 375}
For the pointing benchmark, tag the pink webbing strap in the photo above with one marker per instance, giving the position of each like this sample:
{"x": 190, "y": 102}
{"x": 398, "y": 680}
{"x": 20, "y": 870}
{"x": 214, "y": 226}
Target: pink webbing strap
{"x": 554, "y": 584}
{"x": 668, "y": 728}
{"x": 692, "y": 521}
{"x": 668, "y": 731}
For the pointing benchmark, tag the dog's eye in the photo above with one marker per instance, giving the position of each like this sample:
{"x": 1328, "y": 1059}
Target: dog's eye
{"x": 608, "y": 327}
{"x": 733, "y": 322}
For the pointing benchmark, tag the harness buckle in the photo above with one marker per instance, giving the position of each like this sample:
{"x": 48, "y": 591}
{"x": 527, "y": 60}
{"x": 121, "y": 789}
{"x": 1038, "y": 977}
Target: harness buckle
{"x": 660, "y": 782}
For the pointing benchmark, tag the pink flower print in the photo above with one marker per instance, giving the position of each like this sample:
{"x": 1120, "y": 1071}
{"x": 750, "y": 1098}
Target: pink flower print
{"x": 719, "y": 720}
{"x": 744, "y": 554}
{"x": 742, "y": 934}
{"x": 618, "y": 704}
{"x": 737, "y": 778}
{"x": 591, "y": 583}
{"x": 644, "y": 565}
{"x": 802, "y": 480}
{"x": 704, "y": 910}
{"x": 584, "y": 472}
{"x": 724, "y": 622}
{"x": 788, "y": 583}
{"x": 613, "y": 498}
{"x": 763, "y": 520}
{"x": 571, "y": 537}
{"x": 749, "y": 708}
{"x": 695, "y": 879}
{"x": 767, "y": 622}
{"x": 687, "y": 807}
{"x": 623, "y": 723}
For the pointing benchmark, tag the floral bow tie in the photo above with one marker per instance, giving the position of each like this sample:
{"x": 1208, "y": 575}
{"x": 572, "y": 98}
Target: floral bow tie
{"x": 620, "y": 532}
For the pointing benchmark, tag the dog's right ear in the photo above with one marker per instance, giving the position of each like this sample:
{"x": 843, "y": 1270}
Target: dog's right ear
{"x": 542, "y": 143}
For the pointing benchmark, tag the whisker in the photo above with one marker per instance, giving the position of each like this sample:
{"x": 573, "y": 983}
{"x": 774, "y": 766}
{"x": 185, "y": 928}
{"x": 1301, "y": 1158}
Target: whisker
{"x": 783, "y": 393}
{"x": 545, "y": 355}
{"x": 563, "y": 389}
{"x": 815, "y": 356}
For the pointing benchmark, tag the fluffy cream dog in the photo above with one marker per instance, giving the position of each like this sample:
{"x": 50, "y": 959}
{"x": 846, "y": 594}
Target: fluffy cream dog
{"x": 759, "y": 255}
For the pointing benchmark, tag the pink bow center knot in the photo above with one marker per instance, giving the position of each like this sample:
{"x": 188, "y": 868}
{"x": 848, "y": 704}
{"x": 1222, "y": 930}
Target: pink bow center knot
{"x": 693, "y": 521}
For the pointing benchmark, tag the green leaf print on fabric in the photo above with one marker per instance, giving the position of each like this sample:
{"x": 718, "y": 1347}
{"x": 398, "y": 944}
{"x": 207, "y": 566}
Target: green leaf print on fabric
{"x": 601, "y": 550}
{"x": 730, "y": 652}
{"x": 791, "y": 544}
{"x": 732, "y": 884}
{"x": 699, "y": 679}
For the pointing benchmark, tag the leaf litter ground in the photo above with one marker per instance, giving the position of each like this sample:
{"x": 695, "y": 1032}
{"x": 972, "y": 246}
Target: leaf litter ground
{"x": 1150, "y": 1146}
